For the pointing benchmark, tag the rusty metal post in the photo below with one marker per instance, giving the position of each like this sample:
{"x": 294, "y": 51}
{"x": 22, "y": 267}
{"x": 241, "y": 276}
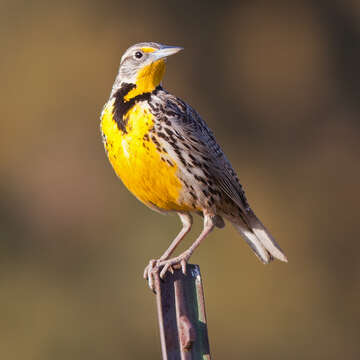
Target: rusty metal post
{"x": 181, "y": 314}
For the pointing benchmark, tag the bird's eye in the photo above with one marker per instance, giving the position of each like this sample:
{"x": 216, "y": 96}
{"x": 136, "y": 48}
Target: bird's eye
{"x": 138, "y": 54}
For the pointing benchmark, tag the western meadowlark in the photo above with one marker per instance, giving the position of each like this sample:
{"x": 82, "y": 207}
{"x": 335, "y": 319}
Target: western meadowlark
{"x": 166, "y": 155}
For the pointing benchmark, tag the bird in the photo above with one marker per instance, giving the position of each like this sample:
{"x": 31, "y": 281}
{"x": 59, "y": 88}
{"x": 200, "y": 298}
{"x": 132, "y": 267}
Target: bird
{"x": 167, "y": 156}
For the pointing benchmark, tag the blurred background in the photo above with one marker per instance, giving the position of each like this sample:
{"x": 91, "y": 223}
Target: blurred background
{"x": 279, "y": 84}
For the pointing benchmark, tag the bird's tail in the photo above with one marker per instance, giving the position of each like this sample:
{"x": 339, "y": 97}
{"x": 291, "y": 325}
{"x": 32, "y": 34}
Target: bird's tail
{"x": 259, "y": 239}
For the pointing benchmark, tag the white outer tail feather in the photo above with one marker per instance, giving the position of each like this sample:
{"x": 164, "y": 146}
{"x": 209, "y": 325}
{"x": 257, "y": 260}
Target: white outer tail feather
{"x": 260, "y": 240}
{"x": 270, "y": 244}
{"x": 254, "y": 243}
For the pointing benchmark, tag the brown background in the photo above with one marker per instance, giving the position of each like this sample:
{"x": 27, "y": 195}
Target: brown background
{"x": 278, "y": 82}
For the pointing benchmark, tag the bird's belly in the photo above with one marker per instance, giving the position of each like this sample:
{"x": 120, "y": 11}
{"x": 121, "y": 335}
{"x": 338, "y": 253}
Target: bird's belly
{"x": 140, "y": 163}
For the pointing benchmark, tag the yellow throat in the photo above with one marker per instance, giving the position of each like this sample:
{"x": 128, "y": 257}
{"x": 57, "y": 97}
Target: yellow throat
{"x": 148, "y": 78}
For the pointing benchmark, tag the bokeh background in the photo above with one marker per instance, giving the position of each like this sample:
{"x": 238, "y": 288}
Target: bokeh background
{"x": 277, "y": 81}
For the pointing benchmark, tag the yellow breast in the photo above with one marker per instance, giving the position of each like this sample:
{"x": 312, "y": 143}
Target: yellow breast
{"x": 138, "y": 162}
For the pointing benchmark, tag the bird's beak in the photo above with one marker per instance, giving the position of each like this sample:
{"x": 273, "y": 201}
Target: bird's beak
{"x": 165, "y": 51}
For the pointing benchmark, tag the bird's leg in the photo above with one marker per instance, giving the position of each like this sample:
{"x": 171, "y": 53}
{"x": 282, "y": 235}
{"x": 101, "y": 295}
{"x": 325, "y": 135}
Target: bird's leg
{"x": 187, "y": 221}
{"x": 184, "y": 257}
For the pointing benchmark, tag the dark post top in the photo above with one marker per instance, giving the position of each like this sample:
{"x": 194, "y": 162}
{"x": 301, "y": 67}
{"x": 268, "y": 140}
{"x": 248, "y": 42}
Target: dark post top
{"x": 181, "y": 313}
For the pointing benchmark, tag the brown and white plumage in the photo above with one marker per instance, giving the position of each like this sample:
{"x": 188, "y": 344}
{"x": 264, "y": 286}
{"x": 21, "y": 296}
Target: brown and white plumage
{"x": 168, "y": 157}
{"x": 206, "y": 172}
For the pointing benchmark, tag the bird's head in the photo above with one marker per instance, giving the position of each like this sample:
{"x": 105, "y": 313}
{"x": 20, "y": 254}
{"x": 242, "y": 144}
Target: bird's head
{"x": 143, "y": 65}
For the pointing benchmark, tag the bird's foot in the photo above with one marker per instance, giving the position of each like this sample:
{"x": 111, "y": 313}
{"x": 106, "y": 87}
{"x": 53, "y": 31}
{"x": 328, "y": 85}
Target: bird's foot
{"x": 150, "y": 272}
{"x": 162, "y": 266}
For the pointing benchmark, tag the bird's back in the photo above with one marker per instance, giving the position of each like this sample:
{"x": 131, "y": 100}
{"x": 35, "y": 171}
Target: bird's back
{"x": 203, "y": 166}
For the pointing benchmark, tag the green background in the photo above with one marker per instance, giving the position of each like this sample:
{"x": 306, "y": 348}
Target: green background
{"x": 279, "y": 84}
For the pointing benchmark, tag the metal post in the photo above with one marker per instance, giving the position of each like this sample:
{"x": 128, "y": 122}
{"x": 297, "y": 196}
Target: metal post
{"x": 181, "y": 313}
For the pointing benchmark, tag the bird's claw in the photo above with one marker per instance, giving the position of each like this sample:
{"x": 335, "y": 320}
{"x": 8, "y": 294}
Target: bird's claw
{"x": 149, "y": 274}
{"x": 148, "y": 268}
{"x": 183, "y": 263}
{"x": 163, "y": 266}
{"x": 167, "y": 267}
